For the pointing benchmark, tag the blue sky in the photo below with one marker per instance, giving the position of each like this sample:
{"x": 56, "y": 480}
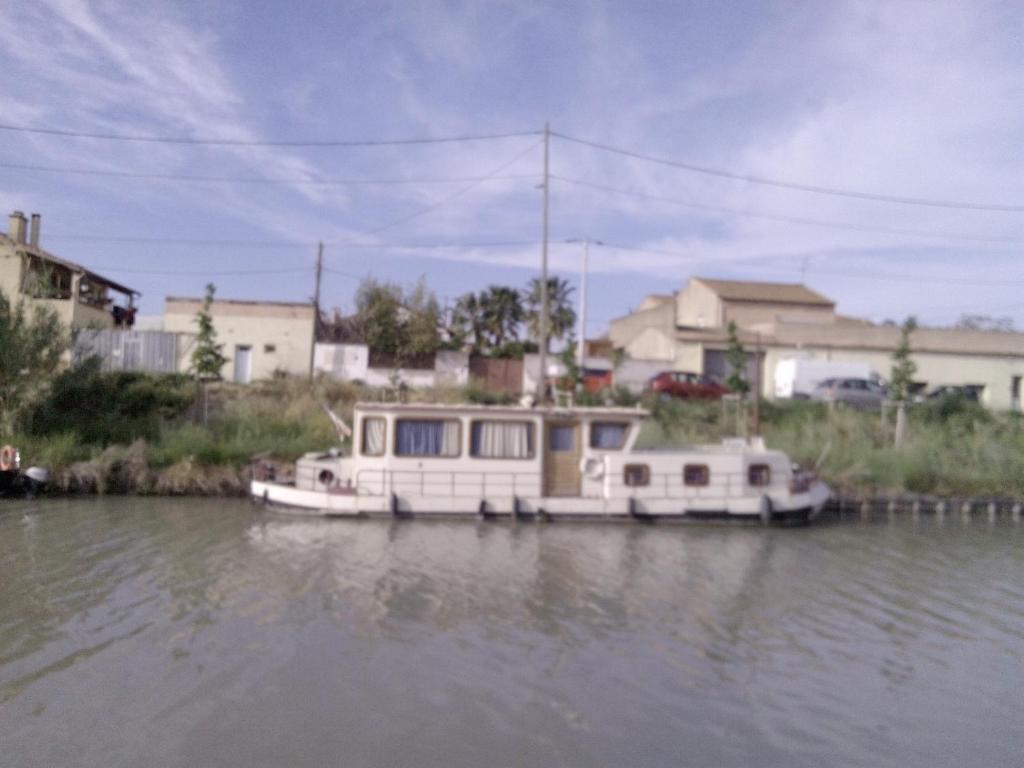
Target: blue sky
{"x": 914, "y": 99}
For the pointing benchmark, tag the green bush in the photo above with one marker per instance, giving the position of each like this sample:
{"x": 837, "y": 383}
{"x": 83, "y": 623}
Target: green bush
{"x": 105, "y": 408}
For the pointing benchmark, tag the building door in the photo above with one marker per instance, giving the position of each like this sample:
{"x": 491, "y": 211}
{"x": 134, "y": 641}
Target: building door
{"x": 1015, "y": 393}
{"x": 243, "y": 364}
{"x": 562, "y": 458}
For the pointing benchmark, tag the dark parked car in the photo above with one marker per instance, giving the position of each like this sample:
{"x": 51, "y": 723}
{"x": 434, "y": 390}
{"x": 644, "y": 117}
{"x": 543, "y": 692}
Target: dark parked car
{"x": 969, "y": 392}
{"x": 856, "y": 393}
{"x": 686, "y": 386}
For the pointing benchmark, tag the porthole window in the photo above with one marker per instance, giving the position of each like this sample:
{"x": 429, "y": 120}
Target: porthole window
{"x": 759, "y": 474}
{"x": 326, "y": 476}
{"x": 635, "y": 475}
{"x": 696, "y": 474}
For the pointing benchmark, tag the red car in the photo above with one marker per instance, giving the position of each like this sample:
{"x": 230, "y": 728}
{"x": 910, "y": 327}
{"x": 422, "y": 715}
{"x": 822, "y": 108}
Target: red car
{"x": 686, "y": 386}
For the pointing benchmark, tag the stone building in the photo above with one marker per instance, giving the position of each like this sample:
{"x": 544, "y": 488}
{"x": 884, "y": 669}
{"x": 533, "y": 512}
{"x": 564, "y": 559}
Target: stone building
{"x": 688, "y": 332}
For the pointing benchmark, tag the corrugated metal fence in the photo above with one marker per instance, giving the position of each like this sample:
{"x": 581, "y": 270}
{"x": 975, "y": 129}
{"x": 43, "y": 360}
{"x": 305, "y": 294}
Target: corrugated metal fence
{"x": 155, "y": 351}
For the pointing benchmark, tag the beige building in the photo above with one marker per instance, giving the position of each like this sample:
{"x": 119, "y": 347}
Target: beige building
{"x": 79, "y": 296}
{"x": 260, "y": 338}
{"x": 776, "y": 321}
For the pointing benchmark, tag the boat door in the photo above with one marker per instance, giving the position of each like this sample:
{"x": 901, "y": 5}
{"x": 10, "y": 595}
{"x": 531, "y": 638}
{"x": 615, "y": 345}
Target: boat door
{"x": 562, "y": 451}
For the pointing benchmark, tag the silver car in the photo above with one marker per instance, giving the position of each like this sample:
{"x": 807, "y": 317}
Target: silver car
{"x": 865, "y": 394}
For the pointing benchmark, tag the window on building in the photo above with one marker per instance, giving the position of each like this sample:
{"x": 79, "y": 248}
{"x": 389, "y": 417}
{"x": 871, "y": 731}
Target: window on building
{"x": 374, "y": 430}
{"x": 608, "y": 435}
{"x": 759, "y": 474}
{"x": 427, "y": 437}
{"x": 501, "y": 440}
{"x": 696, "y": 474}
{"x": 269, "y": 348}
{"x": 636, "y": 475}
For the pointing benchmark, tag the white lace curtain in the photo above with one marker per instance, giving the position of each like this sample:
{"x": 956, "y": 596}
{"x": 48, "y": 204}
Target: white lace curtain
{"x": 502, "y": 439}
{"x": 373, "y": 437}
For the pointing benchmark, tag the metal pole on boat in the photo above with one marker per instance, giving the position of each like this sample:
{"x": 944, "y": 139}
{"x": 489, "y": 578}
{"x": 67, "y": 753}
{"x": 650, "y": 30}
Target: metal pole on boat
{"x": 583, "y": 295}
{"x": 316, "y": 307}
{"x": 543, "y": 341}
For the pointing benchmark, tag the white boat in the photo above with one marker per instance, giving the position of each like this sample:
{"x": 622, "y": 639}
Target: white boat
{"x": 543, "y": 462}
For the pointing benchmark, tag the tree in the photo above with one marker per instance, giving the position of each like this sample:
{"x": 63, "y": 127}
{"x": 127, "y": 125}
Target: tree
{"x": 984, "y": 323}
{"x": 392, "y": 322}
{"x": 30, "y": 350}
{"x": 903, "y": 368}
{"x": 379, "y": 315}
{"x": 207, "y": 358}
{"x": 736, "y": 356}
{"x": 422, "y": 323}
{"x": 502, "y": 314}
{"x": 466, "y": 324}
{"x": 561, "y": 315}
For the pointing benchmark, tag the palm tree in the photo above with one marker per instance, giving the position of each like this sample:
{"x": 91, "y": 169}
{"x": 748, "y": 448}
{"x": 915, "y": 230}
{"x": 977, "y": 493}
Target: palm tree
{"x": 502, "y": 313}
{"x": 561, "y": 315}
{"x": 467, "y": 320}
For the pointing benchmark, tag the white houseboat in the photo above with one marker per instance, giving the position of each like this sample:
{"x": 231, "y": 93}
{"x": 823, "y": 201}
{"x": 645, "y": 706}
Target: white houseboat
{"x": 545, "y": 462}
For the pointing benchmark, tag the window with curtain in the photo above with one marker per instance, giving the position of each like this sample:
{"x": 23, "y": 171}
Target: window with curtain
{"x": 635, "y": 475}
{"x": 501, "y": 440}
{"x": 561, "y": 438}
{"x": 607, "y": 435}
{"x": 759, "y": 474}
{"x": 373, "y": 436}
{"x": 427, "y": 437}
{"x": 696, "y": 474}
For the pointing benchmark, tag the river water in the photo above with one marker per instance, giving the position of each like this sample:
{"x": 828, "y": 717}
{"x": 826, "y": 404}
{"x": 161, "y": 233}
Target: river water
{"x": 155, "y": 632}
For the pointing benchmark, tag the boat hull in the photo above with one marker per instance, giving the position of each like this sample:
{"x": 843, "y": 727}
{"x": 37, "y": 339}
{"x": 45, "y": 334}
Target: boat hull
{"x": 792, "y": 509}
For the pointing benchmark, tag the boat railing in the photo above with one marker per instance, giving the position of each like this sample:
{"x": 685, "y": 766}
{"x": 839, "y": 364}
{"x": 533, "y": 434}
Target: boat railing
{"x": 452, "y": 483}
{"x": 492, "y": 484}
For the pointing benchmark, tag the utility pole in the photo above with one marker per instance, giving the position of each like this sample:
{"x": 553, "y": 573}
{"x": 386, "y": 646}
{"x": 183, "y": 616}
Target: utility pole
{"x": 541, "y": 388}
{"x": 316, "y": 307}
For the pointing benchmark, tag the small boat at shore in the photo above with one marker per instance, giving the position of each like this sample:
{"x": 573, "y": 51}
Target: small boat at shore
{"x": 14, "y": 482}
{"x": 539, "y": 462}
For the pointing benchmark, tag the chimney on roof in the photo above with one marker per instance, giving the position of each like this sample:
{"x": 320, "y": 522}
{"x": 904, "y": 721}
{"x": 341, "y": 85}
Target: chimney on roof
{"x": 33, "y": 237}
{"x": 16, "y": 227}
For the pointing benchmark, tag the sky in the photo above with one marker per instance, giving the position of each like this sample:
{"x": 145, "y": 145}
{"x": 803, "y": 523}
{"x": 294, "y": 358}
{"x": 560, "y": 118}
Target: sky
{"x": 920, "y": 100}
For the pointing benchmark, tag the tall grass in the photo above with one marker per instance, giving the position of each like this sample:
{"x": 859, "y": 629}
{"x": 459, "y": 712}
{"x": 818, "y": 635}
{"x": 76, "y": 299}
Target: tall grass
{"x": 108, "y": 433}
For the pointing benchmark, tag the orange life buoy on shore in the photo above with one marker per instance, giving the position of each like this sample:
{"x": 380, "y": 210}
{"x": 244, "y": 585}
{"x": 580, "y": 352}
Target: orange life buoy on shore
{"x": 7, "y": 456}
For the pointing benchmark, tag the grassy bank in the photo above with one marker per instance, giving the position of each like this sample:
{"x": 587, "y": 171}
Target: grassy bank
{"x": 133, "y": 433}
{"x": 952, "y": 448}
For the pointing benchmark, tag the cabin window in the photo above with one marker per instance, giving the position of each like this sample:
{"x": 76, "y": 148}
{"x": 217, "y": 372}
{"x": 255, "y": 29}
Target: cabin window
{"x": 759, "y": 474}
{"x": 561, "y": 438}
{"x": 501, "y": 440}
{"x": 608, "y": 435}
{"x": 636, "y": 475}
{"x": 427, "y": 437}
{"x": 373, "y": 436}
{"x": 696, "y": 474}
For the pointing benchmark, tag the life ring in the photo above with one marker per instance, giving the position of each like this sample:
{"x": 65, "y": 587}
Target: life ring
{"x": 8, "y": 456}
{"x": 592, "y": 467}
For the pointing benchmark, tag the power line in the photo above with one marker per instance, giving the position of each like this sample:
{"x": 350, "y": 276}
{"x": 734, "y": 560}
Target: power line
{"x": 271, "y": 143}
{"x": 261, "y": 180}
{"x": 454, "y": 195}
{"x": 789, "y": 219}
{"x": 801, "y": 187}
{"x": 343, "y": 244}
{"x": 199, "y": 271}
